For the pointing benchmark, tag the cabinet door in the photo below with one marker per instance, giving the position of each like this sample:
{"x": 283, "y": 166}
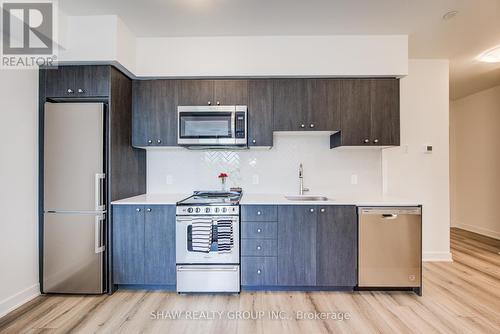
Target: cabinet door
{"x": 289, "y": 113}
{"x": 323, "y": 104}
{"x": 231, "y": 92}
{"x": 160, "y": 244}
{"x": 61, "y": 82}
{"x": 356, "y": 112}
{"x": 196, "y": 92}
{"x": 154, "y": 114}
{"x": 297, "y": 245}
{"x": 128, "y": 244}
{"x": 93, "y": 81}
{"x": 336, "y": 246}
{"x": 260, "y": 112}
{"x": 385, "y": 112}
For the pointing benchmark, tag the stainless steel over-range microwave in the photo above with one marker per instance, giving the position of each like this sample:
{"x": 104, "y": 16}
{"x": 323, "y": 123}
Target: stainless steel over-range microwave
{"x": 212, "y": 125}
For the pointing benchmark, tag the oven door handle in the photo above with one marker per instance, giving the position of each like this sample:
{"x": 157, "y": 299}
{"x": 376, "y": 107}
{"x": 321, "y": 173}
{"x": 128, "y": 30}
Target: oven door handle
{"x": 206, "y": 268}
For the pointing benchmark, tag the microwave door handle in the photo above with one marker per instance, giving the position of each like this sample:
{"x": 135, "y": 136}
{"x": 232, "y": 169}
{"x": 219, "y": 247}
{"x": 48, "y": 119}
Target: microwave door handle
{"x": 233, "y": 125}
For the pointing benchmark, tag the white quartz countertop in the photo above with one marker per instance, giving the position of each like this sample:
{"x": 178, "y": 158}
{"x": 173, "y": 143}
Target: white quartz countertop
{"x": 270, "y": 199}
{"x": 152, "y": 199}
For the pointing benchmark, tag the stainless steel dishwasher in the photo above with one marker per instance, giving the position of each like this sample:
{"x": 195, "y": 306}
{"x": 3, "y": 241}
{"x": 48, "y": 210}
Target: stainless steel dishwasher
{"x": 390, "y": 248}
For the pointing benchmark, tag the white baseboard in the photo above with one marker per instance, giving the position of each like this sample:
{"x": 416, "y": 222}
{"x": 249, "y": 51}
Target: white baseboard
{"x": 479, "y": 230}
{"x": 11, "y": 303}
{"x": 437, "y": 257}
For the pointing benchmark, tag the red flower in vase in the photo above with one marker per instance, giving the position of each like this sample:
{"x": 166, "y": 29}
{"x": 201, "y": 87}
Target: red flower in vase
{"x": 222, "y": 175}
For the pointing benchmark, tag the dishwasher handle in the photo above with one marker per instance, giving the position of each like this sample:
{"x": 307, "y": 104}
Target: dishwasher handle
{"x": 390, "y": 212}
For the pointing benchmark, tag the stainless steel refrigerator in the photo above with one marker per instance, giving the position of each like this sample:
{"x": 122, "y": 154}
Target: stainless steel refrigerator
{"x": 74, "y": 202}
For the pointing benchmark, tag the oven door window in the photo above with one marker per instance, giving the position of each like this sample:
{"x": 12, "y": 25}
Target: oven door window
{"x": 205, "y": 125}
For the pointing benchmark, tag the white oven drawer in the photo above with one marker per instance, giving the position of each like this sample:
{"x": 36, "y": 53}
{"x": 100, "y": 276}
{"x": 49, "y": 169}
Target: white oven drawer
{"x": 208, "y": 278}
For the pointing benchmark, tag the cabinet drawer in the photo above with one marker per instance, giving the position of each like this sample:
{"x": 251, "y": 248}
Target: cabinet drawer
{"x": 262, "y": 230}
{"x": 259, "y": 213}
{"x": 259, "y": 247}
{"x": 257, "y": 271}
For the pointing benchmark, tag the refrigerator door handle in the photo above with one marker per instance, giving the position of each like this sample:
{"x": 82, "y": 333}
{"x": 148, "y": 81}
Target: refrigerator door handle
{"x": 98, "y": 191}
{"x": 98, "y": 233}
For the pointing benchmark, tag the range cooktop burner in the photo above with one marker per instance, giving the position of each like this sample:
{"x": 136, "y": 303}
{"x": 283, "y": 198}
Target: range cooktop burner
{"x": 212, "y": 198}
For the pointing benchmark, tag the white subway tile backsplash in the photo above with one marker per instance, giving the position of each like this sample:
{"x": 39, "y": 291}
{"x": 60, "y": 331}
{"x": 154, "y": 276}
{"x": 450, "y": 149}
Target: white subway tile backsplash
{"x": 269, "y": 171}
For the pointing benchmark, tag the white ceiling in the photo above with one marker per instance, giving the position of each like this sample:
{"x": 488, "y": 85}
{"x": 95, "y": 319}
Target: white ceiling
{"x": 475, "y": 29}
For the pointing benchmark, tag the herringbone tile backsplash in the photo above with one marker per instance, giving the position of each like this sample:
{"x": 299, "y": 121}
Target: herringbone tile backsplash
{"x": 275, "y": 170}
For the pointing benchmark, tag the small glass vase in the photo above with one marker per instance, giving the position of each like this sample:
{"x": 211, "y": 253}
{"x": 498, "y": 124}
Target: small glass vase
{"x": 223, "y": 184}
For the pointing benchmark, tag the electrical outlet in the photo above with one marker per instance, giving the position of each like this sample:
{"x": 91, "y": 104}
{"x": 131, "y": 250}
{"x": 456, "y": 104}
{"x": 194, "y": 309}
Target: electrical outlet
{"x": 169, "y": 179}
{"x": 255, "y": 179}
{"x": 354, "y": 179}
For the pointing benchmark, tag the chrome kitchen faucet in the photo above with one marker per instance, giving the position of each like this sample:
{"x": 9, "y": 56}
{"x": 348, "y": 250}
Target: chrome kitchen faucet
{"x": 301, "y": 180}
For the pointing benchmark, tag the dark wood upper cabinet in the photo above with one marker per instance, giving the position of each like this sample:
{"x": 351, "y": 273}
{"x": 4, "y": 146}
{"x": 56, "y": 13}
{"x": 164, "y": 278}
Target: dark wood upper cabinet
{"x": 385, "y": 129}
{"x": 77, "y": 81}
{"x": 93, "y": 80}
{"x": 322, "y": 104}
{"x": 336, "y": 246}
{"x": 356, "y": 113}
{"x": 307, "y": 104}
{"x": 213, "y": 92}
{"x": 369, "y": 113}
{"x": 196, "y": 92}
{"x": 230, "y": 92}
{"x": 289, "y": 105}
{"x": 154, "y": 113}
{"x": 260, "y": 113}
{"x": 60, "y": 82}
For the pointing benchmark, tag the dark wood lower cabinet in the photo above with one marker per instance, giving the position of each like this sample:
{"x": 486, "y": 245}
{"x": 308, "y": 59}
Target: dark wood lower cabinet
{"x": 259, "y": 271}
{"x": 144, "y": 245}
{"x": 297, "y": 245}
{"x": 128, "y": 244}
{"x": 317, "y": 246}
{"x": 159, "y": 236}
{"x": 336, "y": 246}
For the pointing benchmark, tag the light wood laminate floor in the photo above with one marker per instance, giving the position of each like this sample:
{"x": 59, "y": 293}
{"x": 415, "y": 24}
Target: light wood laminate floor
{"x": 459, "y": 297}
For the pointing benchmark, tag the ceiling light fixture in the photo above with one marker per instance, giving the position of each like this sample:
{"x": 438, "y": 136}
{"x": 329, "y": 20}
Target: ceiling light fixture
{"x": 490, "y": 56}
{"x": 449, "y": 15}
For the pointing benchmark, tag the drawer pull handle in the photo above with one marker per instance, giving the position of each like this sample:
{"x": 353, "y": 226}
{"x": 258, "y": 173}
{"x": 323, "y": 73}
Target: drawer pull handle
{"x": 312, "y": 210}
{"x": 322, "y": 210}
{"x": 259, "y": 213}
{"x": 259, "y": 230}
{"x": 259, "y": 272}
{"x": 259, "y": 248}
{"x": 138, "y": 210}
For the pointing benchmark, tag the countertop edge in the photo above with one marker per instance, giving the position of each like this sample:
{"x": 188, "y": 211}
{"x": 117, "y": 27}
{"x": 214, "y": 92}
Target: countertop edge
{"x": 268, "y": 199}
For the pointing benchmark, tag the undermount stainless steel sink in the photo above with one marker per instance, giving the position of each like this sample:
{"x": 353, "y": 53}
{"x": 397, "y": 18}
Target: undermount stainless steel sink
{"x": 306, "y": 198}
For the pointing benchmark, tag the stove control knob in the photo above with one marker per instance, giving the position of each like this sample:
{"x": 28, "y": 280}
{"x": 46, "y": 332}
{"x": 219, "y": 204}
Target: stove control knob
{"x": 217, "y": 210}
{"x": 197, "y": 210}
{"x": 190, "y": 210}
{"x": 207, "y": 210}
{"x": 224, "y": 209}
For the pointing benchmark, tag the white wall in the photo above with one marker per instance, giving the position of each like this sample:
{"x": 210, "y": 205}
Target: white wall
{"x": 408, "y": 171}
{"x": 89, "y": 38}
{"x": 273, "y": 55}
{"x": 475, "y": 163}
{"x": 18, "y": 187}
{"x": 326, "y": 171}
{"x": 103, "y": 38}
